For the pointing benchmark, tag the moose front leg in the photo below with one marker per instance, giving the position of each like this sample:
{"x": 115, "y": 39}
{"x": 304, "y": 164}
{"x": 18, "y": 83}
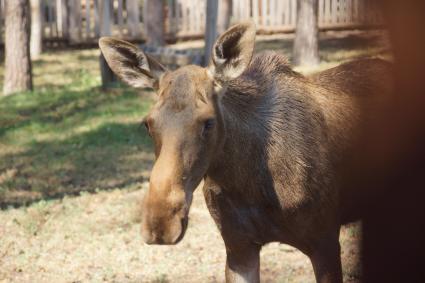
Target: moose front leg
{"x": 243, "y": 264}
{"x": 326, "y": 260}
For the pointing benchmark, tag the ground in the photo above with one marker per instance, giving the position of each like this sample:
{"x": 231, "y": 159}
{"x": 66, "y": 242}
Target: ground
{"x": 74, "y": 164}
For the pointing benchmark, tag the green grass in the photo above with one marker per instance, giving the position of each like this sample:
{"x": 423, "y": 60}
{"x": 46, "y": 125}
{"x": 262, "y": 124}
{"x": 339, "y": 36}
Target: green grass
{"x": 69, "y": 135}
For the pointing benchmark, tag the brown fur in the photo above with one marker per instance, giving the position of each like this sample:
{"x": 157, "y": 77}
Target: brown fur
{"x": 271, "y": 160}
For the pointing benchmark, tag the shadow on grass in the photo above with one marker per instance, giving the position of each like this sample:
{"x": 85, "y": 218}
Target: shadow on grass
{"x": 111, "y": 156}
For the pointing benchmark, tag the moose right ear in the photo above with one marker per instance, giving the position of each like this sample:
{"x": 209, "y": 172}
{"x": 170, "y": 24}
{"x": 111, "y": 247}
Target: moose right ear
{"x": 232, "y": 52}
{"x": 130, "y": 64}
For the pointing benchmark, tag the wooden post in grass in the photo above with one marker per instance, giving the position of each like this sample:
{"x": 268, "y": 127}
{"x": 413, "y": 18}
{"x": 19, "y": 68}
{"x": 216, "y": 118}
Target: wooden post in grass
{"x": 108, "y": 78}
{"x": 210, "y": 29}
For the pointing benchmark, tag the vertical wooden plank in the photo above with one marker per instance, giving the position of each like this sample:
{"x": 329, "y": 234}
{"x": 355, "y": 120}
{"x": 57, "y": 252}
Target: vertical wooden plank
{"x": 64, "y": 19}
{"x": 192, "y": 12}
{"x": 293, "y": 13}
{"x": 59, "y": 18}
{"x": 1, "y": 22}
{"x": 88, "y": 19}
{"x": 255, "y": 11}
{"x": 334, "y": 12}
{"x": 74, "y": 20}
{"x": 271, "y": 13}
{"x": 263, "y": 13}
{"x": 327, "y": 11}
{"x": 96, "y": 13}
{"x": 106, "y": 18}
{"x": 176, "y": 20}
{"x": 198, "y": 7}
{"x": 120, "y": 19}
{"x": 133, "y": 20}
{"x": 286, "y": 13}
{"x": 49, "y": 18}
{"x": 349, "y": 8}
{"x": 320, "y": 12}
{"x": 236, "y": 10}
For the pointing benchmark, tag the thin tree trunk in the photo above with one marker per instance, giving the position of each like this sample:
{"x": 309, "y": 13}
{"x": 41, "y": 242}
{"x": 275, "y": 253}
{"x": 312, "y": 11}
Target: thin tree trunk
{"x": 224, "y": 13}
{"x": 306, "y": 49}
{"x": 106, "y": 18}
{"x": 18, "y": 76}
{"x": 36, "y": 43}
{"x": 108, "y": 78}
{"x": 210, "y": 29}
{"x": 133, "y": 19}
{"x": 153, "y": 17}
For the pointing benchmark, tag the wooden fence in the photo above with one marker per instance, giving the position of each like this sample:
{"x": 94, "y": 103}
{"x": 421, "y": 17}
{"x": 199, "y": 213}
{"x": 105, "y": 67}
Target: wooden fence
{"x": 80, "y": 21}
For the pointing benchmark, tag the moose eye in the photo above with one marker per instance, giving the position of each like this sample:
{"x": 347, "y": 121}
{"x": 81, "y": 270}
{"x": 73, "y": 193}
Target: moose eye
{"x": 209, "y": 124}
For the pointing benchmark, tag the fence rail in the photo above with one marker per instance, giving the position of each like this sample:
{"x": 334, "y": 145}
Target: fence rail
{"x": 79, "y": 21}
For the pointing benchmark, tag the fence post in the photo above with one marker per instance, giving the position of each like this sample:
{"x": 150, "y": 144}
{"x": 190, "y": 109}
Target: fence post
{"x": 223, "y": 18}
{"x": 108, "y": 78}
{"x": 210, "y": 29}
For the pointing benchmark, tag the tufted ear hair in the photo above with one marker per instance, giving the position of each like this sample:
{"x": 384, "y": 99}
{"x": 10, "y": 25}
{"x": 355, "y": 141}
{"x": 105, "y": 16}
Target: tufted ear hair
{"x": 232, "y": 52}
{"x": 130, "y": 63}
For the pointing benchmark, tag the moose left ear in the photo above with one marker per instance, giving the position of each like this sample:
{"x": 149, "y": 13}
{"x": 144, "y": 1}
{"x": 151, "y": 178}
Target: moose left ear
{"x": 130, "y": 63}
{"x": 232, "y": 52}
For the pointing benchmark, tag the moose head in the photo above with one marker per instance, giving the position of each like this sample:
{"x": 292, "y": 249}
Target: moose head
{"x": 186, "y": 123}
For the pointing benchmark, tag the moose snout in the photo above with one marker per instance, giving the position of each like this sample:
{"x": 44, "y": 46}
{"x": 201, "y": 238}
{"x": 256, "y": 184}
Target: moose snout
{"x": 169, "y": 233}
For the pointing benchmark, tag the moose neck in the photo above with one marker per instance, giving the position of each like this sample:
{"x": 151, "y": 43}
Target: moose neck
{"x": 241, "y": 161}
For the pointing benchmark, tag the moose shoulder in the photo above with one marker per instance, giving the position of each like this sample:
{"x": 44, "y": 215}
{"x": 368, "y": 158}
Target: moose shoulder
{"x": 269, "y": 143}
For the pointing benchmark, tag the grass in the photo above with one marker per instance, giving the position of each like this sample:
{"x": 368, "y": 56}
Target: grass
{"x": 69, "y": 137}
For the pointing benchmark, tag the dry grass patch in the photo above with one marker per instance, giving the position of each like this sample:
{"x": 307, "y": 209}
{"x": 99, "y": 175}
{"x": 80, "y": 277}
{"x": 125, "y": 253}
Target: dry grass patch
{"x": 95, "y": 237}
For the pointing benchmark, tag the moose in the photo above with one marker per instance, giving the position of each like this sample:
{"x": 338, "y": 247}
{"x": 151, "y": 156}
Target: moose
{"x": 269, "y": 143}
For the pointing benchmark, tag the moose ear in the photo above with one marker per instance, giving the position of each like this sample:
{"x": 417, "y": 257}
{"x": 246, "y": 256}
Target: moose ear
{"x": 232, "y": 52}
{"x": 130, "y": 64}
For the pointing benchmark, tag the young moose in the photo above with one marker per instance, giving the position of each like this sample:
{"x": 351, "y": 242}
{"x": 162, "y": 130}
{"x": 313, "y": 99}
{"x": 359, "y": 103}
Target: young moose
{"x": 267, "y": 141}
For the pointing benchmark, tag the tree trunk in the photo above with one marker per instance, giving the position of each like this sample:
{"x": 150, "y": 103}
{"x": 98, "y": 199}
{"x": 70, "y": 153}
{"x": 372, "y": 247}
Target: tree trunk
{"x": 36, "y": 43}
{"x": 133, "y": 18}
{"x": 224, "y": 13}
{"x": 18, "y": 76}
{"x": 153, "y": 19}
{"x": 306, "y": 49}
{"x": 210, "y": 29}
